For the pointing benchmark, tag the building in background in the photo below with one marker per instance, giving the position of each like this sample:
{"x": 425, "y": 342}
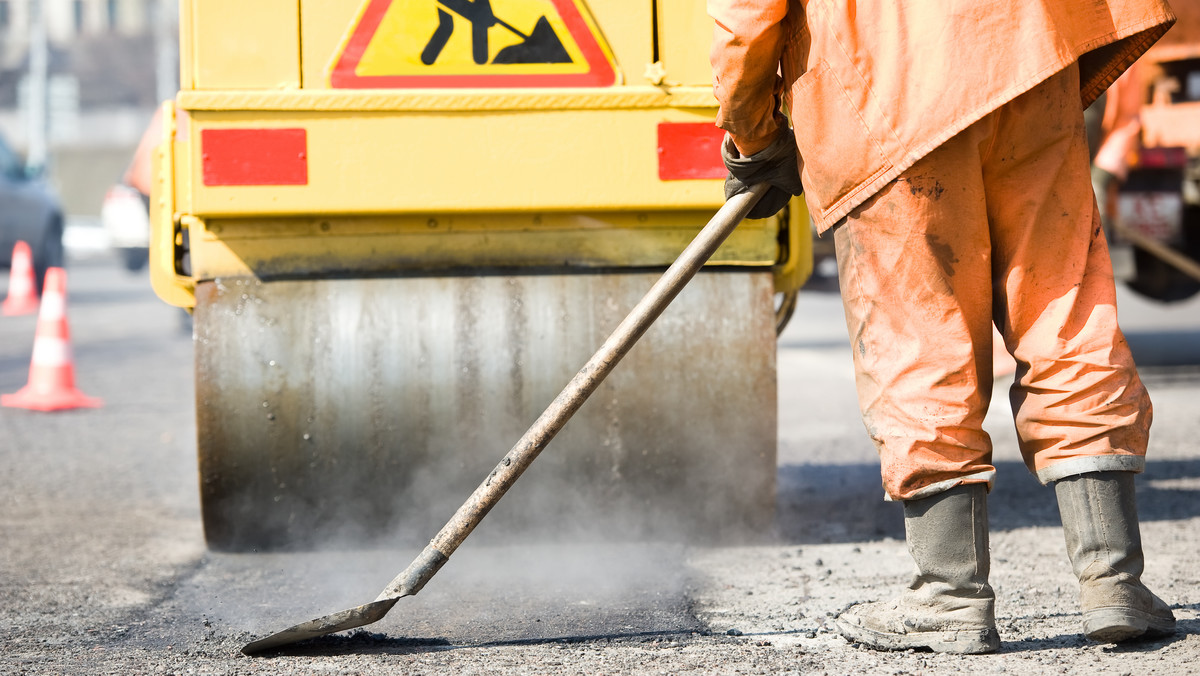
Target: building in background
{"x": 109, "y": 63}
{"x": 67, "y": 20}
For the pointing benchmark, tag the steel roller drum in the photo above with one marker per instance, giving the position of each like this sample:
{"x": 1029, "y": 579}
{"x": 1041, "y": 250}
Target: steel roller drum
{"x": 364, "y": 410}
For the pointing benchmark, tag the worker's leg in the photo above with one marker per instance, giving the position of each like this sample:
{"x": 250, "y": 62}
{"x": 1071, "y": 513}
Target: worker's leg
{"x": 1078, "y": 402}
{"x": 1082, "y": 414}
{"x": 949, "y": 605}
{"x": 915, "y": 271}
{"x": 1104, "y": 542}
{"x": 916, "y": 279}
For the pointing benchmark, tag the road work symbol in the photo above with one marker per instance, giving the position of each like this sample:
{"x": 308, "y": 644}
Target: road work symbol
{"x": 540, "y": 46}
{"x": 473, "y": 43}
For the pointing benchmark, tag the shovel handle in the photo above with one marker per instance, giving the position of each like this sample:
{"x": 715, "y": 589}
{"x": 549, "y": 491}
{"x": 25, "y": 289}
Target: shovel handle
{"x": 536, "y": 438}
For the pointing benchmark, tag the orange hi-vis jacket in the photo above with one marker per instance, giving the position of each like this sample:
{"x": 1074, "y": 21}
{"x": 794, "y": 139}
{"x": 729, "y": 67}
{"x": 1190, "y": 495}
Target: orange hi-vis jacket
{"x": 872, "y": 87}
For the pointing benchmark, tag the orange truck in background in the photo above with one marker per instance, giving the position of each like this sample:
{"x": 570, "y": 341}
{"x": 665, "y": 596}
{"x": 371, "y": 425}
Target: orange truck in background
{"x": 1158, "y": 206}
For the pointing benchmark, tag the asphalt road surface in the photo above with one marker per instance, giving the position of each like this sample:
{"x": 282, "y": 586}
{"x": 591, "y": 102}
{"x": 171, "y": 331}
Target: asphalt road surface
{"x": 103, "y": 567}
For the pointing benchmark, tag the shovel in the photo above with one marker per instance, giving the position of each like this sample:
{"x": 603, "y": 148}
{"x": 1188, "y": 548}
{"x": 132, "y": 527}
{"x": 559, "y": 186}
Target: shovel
{"x": 526, "y": 450}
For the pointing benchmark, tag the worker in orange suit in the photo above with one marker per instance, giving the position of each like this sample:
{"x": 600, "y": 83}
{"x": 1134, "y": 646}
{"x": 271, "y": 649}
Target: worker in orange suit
{"x": 942, "y": 144}
{"x": 139, "y": 174}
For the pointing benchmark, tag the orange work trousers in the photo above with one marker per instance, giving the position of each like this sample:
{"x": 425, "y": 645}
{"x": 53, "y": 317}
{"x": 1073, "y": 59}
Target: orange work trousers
{"x": 999, "y": 224}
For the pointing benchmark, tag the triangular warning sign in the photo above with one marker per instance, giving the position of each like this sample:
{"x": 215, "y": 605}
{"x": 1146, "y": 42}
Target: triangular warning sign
{"x": 473, "y": 43}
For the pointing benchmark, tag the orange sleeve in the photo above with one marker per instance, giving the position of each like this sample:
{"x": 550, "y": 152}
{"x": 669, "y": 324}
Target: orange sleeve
{"x": 747, "y": 42}
{"x": 139, "y": 173}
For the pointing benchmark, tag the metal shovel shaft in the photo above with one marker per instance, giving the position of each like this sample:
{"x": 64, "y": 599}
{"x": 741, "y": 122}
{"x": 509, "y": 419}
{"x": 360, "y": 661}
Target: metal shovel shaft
{"x": 535, "y": 439}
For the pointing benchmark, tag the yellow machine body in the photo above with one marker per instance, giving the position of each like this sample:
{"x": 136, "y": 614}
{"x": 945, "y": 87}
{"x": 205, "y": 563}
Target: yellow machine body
{"x": 316, "y": 141}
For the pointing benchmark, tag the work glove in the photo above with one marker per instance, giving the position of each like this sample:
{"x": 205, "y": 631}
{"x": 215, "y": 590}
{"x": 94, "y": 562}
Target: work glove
{"x": 776, "y": 164}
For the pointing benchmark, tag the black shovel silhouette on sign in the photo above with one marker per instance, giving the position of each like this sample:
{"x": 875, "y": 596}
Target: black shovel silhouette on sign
{"x": 540, "y": 46}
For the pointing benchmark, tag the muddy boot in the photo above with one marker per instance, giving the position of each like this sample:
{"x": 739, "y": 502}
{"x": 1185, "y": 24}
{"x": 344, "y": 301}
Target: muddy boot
{"x": 1099, "y": 516}
{"x": 949, "y": 606}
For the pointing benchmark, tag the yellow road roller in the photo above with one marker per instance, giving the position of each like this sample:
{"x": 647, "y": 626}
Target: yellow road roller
{"x": 403, "y": 225}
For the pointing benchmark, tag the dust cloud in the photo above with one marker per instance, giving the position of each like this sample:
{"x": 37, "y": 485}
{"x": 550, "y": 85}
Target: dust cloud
{"x": 553, "y": 561}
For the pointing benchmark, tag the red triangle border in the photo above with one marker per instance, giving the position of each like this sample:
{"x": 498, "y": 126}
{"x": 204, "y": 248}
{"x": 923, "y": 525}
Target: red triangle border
{"x": 600, "y": 72}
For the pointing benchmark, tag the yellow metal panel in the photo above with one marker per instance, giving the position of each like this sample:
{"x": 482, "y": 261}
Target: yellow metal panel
{"x": 796, "y": 264}
{"x": 187, "y": 66}
{"x": 507, "y": 177}
{"x": 307, "y": 246}
{"x": 164, "y": 278}
{"x": 684, "y": 35}
{"x": 182, "y": 162}
{"x": 628, "y": 28}
{"x": 431, "y": 100}
{"x": 576, "y": 160}
{"x": 245, "y": 45}
{"x": 323, "y": 24}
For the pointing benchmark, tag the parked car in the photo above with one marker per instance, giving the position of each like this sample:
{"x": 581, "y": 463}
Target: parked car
{"x": 125, "y": 213}
{"x": 126, "y": 219}
{"x": 29, "y": 211}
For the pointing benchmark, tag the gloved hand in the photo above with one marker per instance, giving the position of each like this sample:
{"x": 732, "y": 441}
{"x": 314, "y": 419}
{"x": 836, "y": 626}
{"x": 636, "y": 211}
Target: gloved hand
{"x": 776, "y": 164}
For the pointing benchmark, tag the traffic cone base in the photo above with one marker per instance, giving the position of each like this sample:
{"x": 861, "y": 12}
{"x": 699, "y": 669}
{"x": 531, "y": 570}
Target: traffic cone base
{"x": 51, "y": 385}
{"x": 58, "y": 400}
{"x": 19, "y": 306}
{"x": 22, "y": 294}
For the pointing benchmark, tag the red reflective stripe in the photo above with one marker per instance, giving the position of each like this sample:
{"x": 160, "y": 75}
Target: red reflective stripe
{"x": 689, "y": 150}
{"x": 254, "y": 156}
{"x": 1162, "y": 158}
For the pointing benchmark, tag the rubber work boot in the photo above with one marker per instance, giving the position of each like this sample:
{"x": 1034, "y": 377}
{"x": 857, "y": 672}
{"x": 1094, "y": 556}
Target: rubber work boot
{"x": 949, "y": 607}
{"x": 1099, "y": 516}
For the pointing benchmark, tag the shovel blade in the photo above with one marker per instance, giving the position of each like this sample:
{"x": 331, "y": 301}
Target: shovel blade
{"x": 329, "y": 624}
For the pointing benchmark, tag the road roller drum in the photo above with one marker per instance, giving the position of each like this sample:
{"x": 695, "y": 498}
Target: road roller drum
{"x": 338, "y": 409}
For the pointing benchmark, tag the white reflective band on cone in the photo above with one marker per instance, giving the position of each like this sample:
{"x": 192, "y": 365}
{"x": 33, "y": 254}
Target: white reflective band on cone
{"x": 20, "y": 285}
{"x": 54, "y": 306}
{"x": 51, "y": 352}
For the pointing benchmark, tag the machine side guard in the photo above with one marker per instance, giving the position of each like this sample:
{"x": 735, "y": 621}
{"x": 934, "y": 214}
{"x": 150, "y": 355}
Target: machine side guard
{"x": 167, "y": 232}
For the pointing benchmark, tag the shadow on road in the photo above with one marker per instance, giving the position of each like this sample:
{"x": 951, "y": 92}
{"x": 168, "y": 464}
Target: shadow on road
{"x": 844, "y": 503}
{"x": 1075, "y": 640}
{"x": 367, "y": 643}
{"x": 1179, "y": 347}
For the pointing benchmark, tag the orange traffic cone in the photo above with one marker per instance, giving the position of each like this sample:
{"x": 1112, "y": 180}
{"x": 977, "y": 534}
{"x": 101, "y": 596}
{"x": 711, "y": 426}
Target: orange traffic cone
{"x": 22, "y": 297}
{"x": 51, "y": 385}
